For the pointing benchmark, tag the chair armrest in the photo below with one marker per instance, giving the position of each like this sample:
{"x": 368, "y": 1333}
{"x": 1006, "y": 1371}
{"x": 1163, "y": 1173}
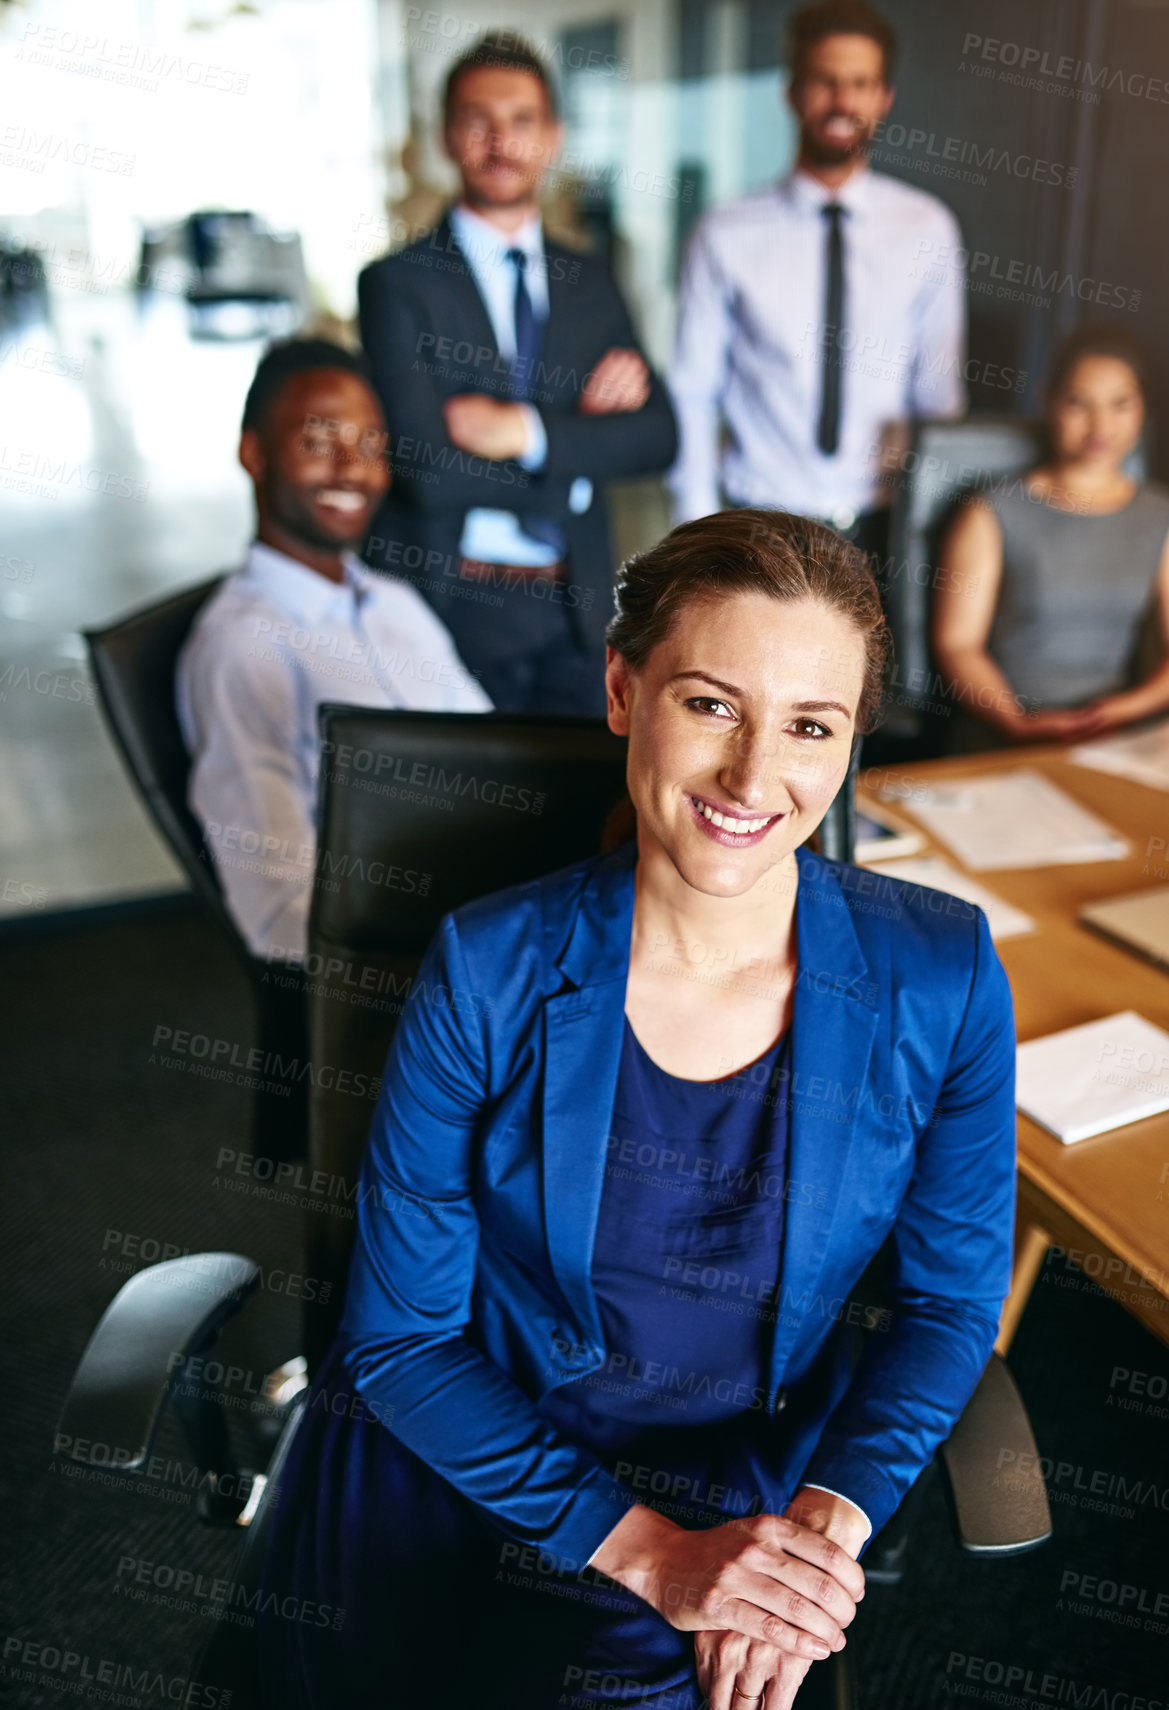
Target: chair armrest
{"x": 154, "y": 1324}
{"x": 993, "y": 1471}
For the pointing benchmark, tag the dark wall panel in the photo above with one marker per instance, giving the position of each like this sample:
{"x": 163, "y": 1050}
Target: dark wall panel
{"x": 1127, "y": 236}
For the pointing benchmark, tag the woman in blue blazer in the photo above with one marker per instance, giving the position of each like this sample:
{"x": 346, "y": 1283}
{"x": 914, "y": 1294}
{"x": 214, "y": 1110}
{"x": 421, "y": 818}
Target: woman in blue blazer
{"x": 595, "y": 1430}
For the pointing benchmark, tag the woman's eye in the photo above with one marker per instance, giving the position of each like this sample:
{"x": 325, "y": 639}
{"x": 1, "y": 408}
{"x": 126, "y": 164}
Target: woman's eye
{"x": 711, "y": 708}
{"x": 813, "y": 728}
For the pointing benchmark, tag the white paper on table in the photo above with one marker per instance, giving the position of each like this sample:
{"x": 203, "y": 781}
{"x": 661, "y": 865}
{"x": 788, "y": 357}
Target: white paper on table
{"x": 1139, "y": 754}
{"x": 1003, "y": 918}
{"x": 1096, "y": 1077}
{"x": 1015, "y": 819}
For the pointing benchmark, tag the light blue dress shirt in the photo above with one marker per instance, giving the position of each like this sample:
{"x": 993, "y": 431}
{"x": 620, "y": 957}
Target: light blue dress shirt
{"x": 748, "y": 356}
{"x": 496, "y": 536}
{"x": 273, "y": 643}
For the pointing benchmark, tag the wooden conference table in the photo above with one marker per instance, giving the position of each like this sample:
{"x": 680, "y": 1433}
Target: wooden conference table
{"x": 1104, "y": 1201}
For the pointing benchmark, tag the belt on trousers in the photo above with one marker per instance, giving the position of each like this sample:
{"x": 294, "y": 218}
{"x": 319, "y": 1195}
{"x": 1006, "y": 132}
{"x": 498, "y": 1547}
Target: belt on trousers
{"x": 480, "y": 570}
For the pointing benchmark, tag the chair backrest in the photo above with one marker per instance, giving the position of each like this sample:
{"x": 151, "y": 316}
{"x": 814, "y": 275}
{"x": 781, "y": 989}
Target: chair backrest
{"x": 945, "y": 461}
{"x": 421, "y": 813}
{"x": 134, "y": 664}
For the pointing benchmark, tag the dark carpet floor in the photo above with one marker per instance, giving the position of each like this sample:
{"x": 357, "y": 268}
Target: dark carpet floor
{"x": 111, "y": 1156}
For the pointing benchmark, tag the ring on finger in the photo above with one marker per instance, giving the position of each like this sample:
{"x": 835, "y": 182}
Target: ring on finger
{"x": 754, "y": 1697}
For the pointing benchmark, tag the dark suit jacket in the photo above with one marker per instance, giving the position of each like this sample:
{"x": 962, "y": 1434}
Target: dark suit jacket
{"x": 427, "y": 336}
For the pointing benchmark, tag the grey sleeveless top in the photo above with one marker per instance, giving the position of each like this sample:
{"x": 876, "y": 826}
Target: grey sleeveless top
{"x": 1074, "y": 590}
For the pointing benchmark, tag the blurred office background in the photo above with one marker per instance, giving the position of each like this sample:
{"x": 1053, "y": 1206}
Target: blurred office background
{"x": 184, "y": 178}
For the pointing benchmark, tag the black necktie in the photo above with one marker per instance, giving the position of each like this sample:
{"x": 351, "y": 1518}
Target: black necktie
{"x": 528, "y": 341}
{"x": 828, "y": 428}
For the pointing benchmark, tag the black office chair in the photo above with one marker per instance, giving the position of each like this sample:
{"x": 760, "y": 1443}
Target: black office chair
{"x": 134, "y": 664}
{"x": 478, "y": 802}
{"x": 420, "y": 813}
{"x": 946, "y": 461}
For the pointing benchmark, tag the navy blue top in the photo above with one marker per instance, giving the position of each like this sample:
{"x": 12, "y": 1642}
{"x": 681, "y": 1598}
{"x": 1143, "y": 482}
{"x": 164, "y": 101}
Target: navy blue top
{"x": 686, "y": 1261}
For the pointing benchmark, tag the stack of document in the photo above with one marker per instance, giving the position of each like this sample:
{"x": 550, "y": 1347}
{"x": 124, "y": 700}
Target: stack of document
{"x": 1090, "y": 1079}
{"x": 1140, "y": 754}
{"x": 1004, "y": 920}
{"x": 1015, "y": 819}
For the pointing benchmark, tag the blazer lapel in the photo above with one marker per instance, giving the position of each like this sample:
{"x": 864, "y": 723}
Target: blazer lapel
{"x": 583, "y": 1029}
{"x": 461, "y": 283}
{"x": 563, "y": 319}
{"x": 833, "y": 1028}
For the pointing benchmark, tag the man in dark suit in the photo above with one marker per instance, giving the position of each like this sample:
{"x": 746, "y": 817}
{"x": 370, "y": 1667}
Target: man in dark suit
{"x": 512, "y": 379}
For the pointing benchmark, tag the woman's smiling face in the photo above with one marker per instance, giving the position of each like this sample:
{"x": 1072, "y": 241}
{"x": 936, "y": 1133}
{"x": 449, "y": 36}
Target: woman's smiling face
{"x": 744, "y": 714}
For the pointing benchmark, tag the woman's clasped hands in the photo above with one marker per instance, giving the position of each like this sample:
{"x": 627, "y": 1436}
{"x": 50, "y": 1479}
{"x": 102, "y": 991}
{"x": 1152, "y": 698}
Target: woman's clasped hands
{"x": 764, "y": 1596}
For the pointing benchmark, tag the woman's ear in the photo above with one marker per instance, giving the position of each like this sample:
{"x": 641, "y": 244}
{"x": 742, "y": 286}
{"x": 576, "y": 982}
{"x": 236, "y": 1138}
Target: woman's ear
{"x": 618, "y": 691}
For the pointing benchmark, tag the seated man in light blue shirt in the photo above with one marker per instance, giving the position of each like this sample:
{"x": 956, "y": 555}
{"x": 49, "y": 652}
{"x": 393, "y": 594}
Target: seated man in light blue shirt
{"x": 303, "y": 622}
{"x": 819, "y": 314}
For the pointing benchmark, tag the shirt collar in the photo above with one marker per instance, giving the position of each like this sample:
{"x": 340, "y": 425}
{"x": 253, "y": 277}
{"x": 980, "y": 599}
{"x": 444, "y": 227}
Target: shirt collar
{"x": 808, "y": 195}
{"x": 484, "y": 244}
{"x": 303, "y": 593}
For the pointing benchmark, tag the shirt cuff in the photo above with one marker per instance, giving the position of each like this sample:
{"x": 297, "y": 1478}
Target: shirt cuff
{"x": 806, "y": 1485}
{"x": 580, "y": 495}
{"x": 622, "y": 1501}
{"x": 537, "y": 447}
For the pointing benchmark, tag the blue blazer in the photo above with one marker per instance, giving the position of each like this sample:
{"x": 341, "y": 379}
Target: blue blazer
{"x": 470, "y": 1294}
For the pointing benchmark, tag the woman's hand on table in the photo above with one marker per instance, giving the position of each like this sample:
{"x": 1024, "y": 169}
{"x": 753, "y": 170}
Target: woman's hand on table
{"x": 766, "y": 1578}
{"x": 1058, "y": 724}
{"x": 1112, "y": 712}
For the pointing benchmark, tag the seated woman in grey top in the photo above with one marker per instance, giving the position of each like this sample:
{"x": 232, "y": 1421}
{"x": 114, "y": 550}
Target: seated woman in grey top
{"x": 1045, "y": 583}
